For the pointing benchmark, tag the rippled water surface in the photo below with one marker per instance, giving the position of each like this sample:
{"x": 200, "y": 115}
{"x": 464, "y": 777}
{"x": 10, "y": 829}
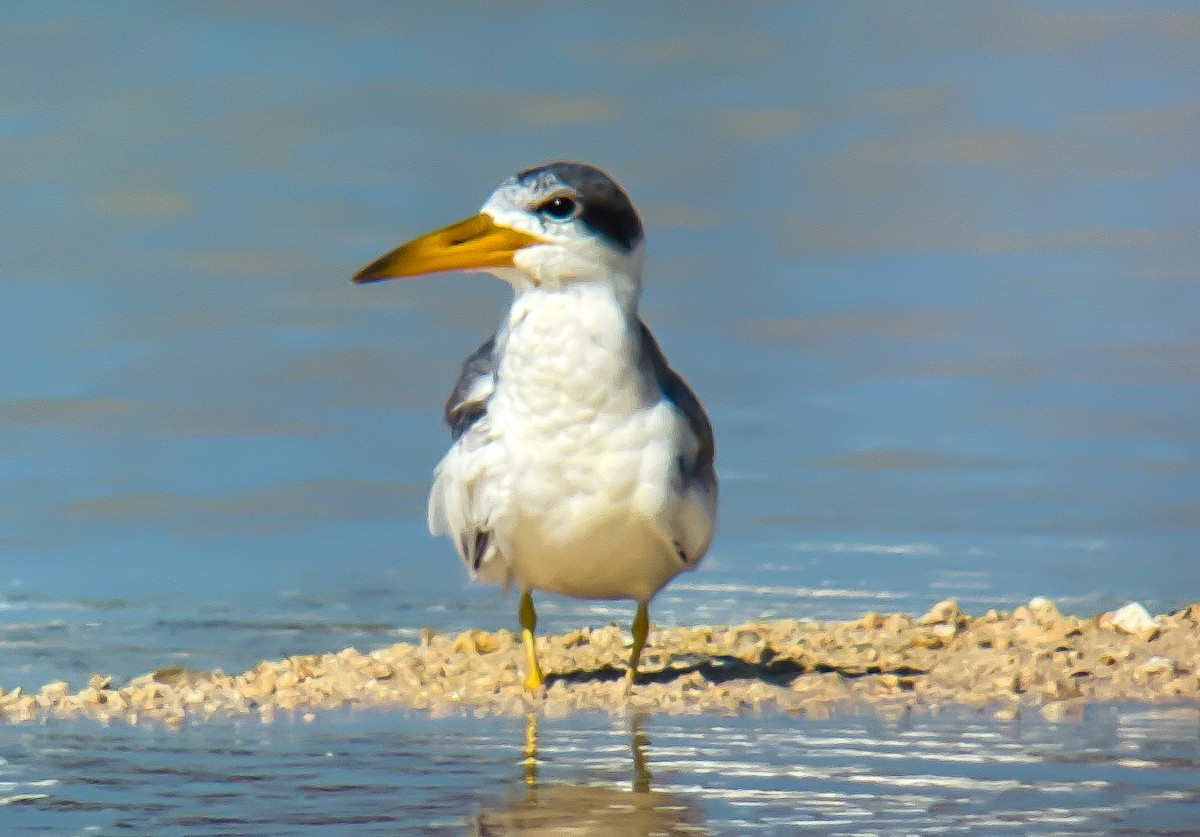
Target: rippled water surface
{"x": 933, "y": 269}
{"x": 1132, "y": 771}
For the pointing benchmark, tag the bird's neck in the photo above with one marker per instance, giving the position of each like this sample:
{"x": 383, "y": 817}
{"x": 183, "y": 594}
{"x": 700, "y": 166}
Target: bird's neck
{"x": 583, "y": 307}
{"x": 582, "y": 280}
{"x": 579, "y": 338}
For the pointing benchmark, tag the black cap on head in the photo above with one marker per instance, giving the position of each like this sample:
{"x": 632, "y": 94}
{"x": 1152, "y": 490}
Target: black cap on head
{"x": 606, "y": 209}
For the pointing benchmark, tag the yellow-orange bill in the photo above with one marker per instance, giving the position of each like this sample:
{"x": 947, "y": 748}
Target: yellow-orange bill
{"x": 473, "y": 243}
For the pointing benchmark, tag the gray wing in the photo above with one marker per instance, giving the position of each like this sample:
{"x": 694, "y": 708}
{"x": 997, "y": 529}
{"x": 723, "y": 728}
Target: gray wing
{"x": 698, "y": 468}
{"x": 476, "y": 383}
{"x": 466, "y": 405}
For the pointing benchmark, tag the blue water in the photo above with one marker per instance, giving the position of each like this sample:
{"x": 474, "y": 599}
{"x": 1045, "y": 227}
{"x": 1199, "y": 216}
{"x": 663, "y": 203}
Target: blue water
{"x": 933, "y": 269}
{"x": 1129, "y": 771}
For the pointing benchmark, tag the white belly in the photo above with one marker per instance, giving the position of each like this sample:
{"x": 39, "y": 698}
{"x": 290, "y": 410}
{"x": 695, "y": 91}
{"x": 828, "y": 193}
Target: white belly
{"x": 573, "y": 466}
{"x": 619, "y": 558}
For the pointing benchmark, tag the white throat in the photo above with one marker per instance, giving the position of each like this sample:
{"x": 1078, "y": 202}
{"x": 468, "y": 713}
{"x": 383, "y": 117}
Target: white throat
{"x": 570, "y": 353}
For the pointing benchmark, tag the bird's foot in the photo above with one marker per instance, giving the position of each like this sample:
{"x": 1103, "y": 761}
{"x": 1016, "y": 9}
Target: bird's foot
{"x": 630, "y": 679}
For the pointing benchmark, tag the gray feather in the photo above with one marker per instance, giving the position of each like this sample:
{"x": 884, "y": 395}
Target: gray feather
{"x": 697, "y": 469}
{"x": 468, "y": 401}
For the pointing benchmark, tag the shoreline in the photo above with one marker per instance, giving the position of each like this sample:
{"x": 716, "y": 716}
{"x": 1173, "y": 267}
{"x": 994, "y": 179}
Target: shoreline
{"x": 1004, "y": 662}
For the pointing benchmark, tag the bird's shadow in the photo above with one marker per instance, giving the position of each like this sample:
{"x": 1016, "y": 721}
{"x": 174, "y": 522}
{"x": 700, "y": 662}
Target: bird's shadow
{"x": 722, "y": 668}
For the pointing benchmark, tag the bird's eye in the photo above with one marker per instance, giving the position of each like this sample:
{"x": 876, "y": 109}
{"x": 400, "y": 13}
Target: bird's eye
{"x": 559, "y": 208}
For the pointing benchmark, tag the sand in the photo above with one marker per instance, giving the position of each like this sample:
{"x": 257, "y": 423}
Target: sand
{"x": 1004, "y": 663}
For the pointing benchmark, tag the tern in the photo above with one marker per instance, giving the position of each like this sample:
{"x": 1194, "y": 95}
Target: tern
{"x": 582, "y": 463}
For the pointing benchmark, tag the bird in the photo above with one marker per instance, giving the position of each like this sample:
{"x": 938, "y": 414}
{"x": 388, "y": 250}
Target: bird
{"x": 581, "y": 462}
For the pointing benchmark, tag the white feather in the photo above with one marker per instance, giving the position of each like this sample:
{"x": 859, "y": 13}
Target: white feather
{"x": 573, "y": 473}
{"x": 573, "y": 469}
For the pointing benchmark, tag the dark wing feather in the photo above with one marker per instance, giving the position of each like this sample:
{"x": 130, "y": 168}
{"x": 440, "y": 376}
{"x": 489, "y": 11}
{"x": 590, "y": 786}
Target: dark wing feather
{"x": 697, "y": 469}
{"x": 474, "y": 553}
{"x": 468, "y": 402}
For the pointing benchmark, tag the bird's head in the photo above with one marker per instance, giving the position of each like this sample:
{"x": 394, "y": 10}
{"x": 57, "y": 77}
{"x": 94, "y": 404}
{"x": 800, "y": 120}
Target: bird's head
{"x": 548, "y": 227}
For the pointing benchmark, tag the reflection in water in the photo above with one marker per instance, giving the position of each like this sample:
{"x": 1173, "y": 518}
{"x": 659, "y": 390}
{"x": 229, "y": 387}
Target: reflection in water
{"x": 937, "y": 273}
{"x": 582, "y": 809}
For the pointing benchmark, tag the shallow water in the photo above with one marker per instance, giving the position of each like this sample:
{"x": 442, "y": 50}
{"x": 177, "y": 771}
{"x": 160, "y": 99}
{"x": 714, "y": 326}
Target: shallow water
{"x": 1128, "y": 770}
{"x": 932, "y": 269}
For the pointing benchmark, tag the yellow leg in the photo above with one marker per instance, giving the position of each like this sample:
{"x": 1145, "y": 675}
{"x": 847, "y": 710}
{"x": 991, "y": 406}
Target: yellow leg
{"x": 528, "y": 616}
{"x": 641, "y": 629}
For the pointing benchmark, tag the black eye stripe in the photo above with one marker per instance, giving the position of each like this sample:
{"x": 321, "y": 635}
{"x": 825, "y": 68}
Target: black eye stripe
{"x": 560, "y": 207}
{"x": 601, "y": 205}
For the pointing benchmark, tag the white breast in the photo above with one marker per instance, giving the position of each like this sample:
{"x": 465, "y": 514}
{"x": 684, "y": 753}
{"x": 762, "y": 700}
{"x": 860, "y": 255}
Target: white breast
{"x": 572, "y": 468}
